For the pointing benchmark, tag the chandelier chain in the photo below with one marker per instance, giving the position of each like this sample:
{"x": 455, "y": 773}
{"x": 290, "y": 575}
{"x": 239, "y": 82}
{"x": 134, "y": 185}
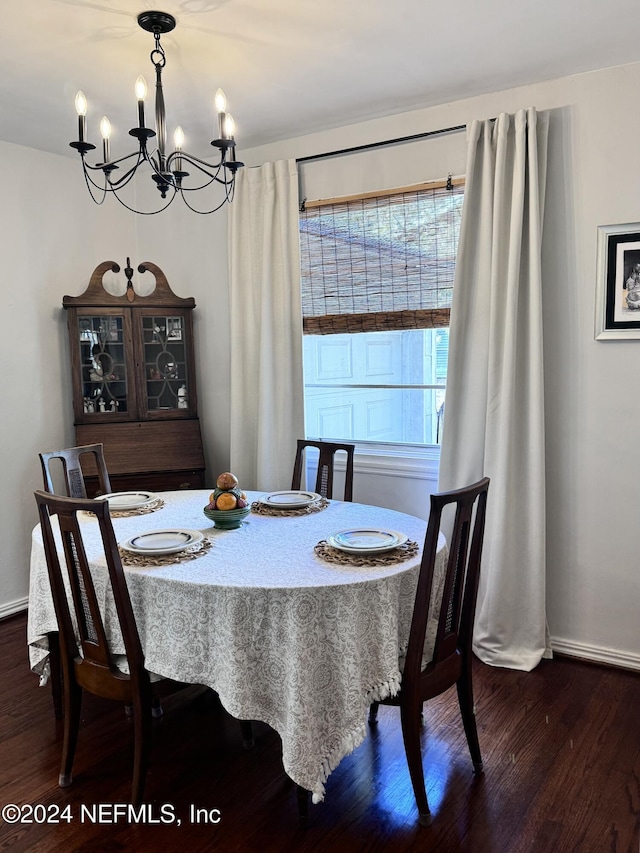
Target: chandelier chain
{"x": 158, "y": 49}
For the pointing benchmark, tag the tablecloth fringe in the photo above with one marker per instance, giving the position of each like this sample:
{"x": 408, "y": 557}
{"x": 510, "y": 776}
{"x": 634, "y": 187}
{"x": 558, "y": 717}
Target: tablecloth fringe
{"x": 348, "y": 743}
{"x": 382, "y": 691}
{"x": 352, "y": 740}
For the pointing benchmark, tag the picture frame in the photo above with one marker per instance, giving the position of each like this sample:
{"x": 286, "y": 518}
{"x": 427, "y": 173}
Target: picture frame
{"x": 618, "y": 282}
{"x": 174, "y": 328}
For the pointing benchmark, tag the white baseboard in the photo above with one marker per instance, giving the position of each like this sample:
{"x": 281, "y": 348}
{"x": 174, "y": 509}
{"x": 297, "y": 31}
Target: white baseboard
{"x": 13, "y": 607}
{"x": 596, "y": 654}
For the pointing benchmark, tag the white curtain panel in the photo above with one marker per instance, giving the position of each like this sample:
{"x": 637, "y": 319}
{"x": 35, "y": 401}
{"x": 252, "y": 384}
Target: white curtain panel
{"x": 494, "y": 414}
{"x": 267, "y": 405}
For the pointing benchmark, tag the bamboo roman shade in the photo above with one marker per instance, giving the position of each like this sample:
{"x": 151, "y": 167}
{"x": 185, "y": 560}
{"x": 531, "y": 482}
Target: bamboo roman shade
{"x": 382, "y": 262}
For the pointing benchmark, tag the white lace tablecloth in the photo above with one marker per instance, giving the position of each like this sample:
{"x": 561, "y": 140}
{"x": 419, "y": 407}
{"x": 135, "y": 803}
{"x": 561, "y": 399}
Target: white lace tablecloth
{"x": 281, "y": 636}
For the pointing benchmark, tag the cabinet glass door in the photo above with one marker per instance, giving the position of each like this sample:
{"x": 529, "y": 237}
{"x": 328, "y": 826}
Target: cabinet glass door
{"x": 164, "y": 342}
{"x": 102, "y": 360}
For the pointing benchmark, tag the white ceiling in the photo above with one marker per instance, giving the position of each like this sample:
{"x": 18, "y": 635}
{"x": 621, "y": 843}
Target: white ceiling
{"x": 288, "y": 67}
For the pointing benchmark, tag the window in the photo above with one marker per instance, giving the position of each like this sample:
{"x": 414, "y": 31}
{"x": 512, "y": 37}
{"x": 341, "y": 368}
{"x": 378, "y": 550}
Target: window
{"x": 377, "y": 280}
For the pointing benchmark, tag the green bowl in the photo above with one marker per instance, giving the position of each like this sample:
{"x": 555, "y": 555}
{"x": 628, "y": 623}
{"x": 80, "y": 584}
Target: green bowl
{"x": 227, "y": 519}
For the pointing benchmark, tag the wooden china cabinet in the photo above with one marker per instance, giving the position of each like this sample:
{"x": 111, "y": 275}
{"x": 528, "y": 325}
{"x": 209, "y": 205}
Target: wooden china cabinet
{"x": 134, "y": 384}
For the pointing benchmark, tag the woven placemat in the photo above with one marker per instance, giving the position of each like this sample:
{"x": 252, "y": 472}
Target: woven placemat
{"x": 142, "y": 561}
{"x": 263, "y": 509}
{"x": 387, "y": 558}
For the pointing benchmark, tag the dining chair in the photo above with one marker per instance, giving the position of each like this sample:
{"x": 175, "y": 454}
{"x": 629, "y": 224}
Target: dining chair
{"x": 72, "y": 469}
{"x": 87, "y": 661}
{"x": 439, "y": 650}
{"x": 324, "y": 478}
{"x": 70, "y": 464}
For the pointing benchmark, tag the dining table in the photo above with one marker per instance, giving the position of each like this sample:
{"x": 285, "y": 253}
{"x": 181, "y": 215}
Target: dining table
{"x": 286, "y": 628}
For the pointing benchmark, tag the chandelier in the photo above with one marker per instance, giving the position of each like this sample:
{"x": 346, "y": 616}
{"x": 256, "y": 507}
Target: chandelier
{"x": 168, "y": 171}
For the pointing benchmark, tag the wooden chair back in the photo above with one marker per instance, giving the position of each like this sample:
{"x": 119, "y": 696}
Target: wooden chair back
{"x": 324, "y": 477}
{"x": 87, "y": 661}
{"x": 72, "y": 469}
{"x": 458, "y": 605}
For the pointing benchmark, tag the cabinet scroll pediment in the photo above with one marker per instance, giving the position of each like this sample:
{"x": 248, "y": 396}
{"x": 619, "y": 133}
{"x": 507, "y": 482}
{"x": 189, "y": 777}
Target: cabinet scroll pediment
{"x": 97, "y": 295}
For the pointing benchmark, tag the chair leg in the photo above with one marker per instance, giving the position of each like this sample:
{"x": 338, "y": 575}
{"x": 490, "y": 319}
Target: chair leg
{"x": 72, "y": 704}
{"x": 303, "y": 806}
{"x": 373, "y": 713}
{"x": 157, "y": 711}
{"x": 410, "y": 719}
{"x": 141, "y": 735}
{"x": 55, "y": 674}
{"x": 465, "y": 700}
{"x": 247, "y": 734}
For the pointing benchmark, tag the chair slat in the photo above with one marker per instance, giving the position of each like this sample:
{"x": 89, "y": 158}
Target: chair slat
{"x": 326, "y": 460}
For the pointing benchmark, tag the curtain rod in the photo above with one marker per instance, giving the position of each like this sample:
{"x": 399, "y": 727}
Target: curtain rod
{"x": 381, "y": 144}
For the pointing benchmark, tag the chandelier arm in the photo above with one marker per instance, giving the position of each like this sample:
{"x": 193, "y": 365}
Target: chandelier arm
{"x": 204, "y": 166}
{"x": 204, "y": 212}
{"x": 211, "y": 171}
{"x": 156, "y": 167}
{"x": 110, "y": 185}
{"x": 221, "y": 181}
{"x": 103, "y": 187}
{"x": 145, "y": 212}
{"x": 91, "y": 183}
{"x": 99, "y": 167}
{"x": 126, "y": 178}
{"x": 123, "y": 180}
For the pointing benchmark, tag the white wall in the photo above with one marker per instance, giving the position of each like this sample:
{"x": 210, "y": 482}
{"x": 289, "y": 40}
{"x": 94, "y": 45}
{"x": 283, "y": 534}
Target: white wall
{"x": 52, "y": 238}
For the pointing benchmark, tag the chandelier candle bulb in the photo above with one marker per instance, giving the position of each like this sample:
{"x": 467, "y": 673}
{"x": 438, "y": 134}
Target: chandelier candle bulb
{"x": 141, "y": 94}
{"x": 178, "y": 141}
{"x": 229, "y": 127}
{"x": 221, "y": 107}
{"x": 81, "y": 109}
{"x": 105, "y": 130}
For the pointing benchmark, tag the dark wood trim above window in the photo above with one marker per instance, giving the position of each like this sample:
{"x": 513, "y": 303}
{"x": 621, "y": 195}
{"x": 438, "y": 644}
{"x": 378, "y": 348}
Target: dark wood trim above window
{"x": 379, "y": 321}
{"x": 426, "y": 185}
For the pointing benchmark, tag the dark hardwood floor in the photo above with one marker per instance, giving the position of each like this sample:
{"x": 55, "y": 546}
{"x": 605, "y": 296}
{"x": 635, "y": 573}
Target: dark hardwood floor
{"x": 561, "y": 749}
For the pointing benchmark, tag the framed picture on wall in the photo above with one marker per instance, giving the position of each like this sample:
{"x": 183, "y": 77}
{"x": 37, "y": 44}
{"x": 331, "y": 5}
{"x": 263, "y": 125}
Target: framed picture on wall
{"x": 618, "y": 282}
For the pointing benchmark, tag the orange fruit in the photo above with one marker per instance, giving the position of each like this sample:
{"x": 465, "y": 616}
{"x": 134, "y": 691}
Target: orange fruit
{"x": 227, "y": 480}
{"x": 226, "y": 501}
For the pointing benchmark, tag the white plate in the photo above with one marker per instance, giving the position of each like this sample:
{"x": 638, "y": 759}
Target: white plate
{"x": 289, "y": 500}
{"x": 128, "y": 500}
{"x": 366, "y": 540}
{"x": 162, "y": 541}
